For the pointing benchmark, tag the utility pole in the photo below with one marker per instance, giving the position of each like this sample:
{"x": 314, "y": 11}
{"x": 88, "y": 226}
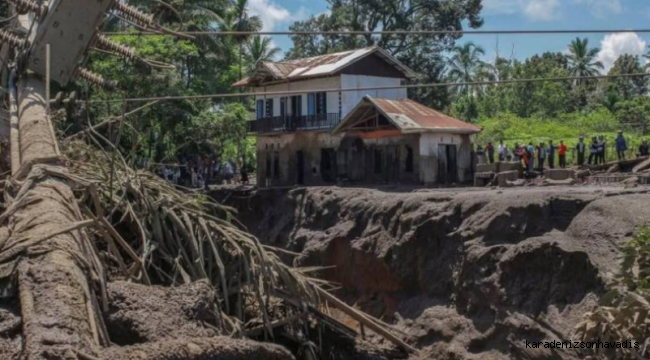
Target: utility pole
{"x": 56, "y": 266}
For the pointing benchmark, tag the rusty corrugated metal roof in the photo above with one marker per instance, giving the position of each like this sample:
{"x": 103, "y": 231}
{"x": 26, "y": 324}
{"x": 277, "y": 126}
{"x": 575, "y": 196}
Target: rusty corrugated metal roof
{"x": 410, "y": 116}
{"x": 316, "y": 66}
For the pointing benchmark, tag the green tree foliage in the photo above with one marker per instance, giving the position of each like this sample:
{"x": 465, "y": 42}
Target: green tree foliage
{"x": 582, "y": 59}
{"x": 628, "y": 88}
{"x": 635, "y": 112}
{"x": 465, "y": 65}
{"x": 206, "y": 64}
{"x": 544, "y": 99}
{"x": 260, "y": 49}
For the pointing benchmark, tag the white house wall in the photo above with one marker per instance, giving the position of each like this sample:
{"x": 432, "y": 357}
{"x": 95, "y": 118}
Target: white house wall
{"x": 342, "y": 102}
{"x": 350, "y": 99}
{"x": 307, "y": 87}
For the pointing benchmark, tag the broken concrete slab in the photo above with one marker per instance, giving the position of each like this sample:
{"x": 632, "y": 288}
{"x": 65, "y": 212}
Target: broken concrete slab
{"x": 560, "y": 174}
{"x": 642, "y": 166}
{"x": 487, "y": 168}
{"x": 511, "y": 166}
{"x": 483, "y": 178}
{"x": 507, "y": 176}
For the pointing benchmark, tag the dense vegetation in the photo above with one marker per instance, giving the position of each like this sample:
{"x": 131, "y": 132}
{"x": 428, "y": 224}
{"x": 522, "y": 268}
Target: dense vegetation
{"x": 210, "y": 64}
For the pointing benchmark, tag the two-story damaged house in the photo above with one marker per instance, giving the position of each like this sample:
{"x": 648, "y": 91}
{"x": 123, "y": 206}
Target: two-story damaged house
{"x": 328, "y": 131}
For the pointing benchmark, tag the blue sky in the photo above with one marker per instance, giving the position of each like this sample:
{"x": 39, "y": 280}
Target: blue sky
{"x": 511, "y": 15}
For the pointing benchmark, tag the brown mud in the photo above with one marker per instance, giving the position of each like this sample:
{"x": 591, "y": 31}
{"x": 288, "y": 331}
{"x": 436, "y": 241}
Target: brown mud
{"x": 468, "y": 274}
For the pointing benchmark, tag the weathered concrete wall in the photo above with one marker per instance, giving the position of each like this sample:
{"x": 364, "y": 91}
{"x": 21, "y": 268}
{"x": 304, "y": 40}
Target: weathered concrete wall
{"x": 355, "y": 160}
{"x": 393, "y": 153}
{"x": 429, "y": 156}
{"x": 350, "y": 161}
{"x": 285, "y": 147}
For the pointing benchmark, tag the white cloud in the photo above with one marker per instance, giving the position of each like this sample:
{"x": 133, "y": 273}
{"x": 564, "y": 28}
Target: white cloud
{"x": 615, "y": 45}
{"x": 542, "y": 10}
{"x": 275, "y": 16}
{"x": 271, "y": 13}
{"x": 602, "y": 8}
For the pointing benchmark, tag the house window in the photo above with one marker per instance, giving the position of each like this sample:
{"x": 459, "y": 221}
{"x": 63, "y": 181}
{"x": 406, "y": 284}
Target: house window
{"x": 260, "y": 109}
{"x": 311, "y": 104}
{"x": 296, "y": 105}
{"x": 283, "y": 106}
{"x": 269, "y": 108}
{"x": 317, "y": 103}
{"x": 409, "y": 159}
{"x": 377, "y": 161}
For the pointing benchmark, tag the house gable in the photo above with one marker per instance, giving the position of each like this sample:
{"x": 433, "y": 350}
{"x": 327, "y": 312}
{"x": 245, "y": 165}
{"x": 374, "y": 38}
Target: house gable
{"x": 405, "y": 115}
{"x": 372, "y": 65}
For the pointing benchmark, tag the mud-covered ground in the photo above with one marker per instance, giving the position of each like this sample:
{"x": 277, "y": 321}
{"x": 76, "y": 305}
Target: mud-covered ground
{"x": 467, "y": 274}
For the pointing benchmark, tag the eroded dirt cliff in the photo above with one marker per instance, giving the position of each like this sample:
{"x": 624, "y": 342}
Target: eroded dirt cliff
{"x": 466, "y": 274}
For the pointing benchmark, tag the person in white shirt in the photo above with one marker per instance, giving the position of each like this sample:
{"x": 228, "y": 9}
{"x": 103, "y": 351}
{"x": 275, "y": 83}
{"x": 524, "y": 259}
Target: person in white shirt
{"x": 502, "y": 150}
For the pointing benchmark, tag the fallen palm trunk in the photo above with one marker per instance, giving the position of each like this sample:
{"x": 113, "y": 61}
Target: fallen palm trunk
{"x": 47, "y": 245}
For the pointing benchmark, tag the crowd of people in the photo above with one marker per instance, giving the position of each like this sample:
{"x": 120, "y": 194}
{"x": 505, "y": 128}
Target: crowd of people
{"x": 538, "y": 156}
{"x": 203, "y": 171}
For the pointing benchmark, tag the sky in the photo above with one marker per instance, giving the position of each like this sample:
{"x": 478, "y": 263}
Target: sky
{"x": 512, "y": 15}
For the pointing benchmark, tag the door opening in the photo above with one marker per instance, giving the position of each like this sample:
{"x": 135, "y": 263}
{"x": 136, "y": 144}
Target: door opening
{"x": 447, "y": 164}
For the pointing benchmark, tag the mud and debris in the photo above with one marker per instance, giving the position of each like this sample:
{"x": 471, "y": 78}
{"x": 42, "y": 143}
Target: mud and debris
{"x": 140, "y": 314}
{"x": 467, "y": 274}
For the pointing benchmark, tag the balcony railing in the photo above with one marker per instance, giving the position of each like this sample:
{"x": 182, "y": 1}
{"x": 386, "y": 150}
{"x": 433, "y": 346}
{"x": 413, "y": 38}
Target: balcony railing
{"x": 294, "y": 123}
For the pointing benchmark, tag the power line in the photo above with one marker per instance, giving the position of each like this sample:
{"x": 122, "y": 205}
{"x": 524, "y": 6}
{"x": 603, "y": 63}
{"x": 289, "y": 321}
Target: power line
{"x": 373, "y": 88}
{"x": 394, "y": 32}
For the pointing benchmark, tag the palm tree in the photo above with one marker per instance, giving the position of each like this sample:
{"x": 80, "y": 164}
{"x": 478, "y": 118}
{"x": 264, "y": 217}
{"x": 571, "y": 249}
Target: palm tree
{"x": 582, "y": 59}
{"x": 261, "y": 49}
{"x": 238, "y": 19}
{"x": 465, "y": 65}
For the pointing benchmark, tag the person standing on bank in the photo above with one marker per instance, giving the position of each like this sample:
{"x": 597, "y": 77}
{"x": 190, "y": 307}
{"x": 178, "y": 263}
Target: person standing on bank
{"x": 541, "y": 157}
{"x": 490, "y": 152}
{"x": 551, "y": 155}
{"x": 593, "y": 151}
{"x": 480, "y": 155}
{"x": 644, "y": 150}
{"x": 530, "y": 152}
{"x": 501, "y": 150}
{"x": 602, "y": 148}
{"x": 621, "y": 145}
{"x": 581, "y": 149}
{"x": 561, "y": 152}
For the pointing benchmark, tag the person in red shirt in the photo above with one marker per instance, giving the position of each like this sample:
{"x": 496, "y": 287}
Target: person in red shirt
{"x": 561, "y": 151}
